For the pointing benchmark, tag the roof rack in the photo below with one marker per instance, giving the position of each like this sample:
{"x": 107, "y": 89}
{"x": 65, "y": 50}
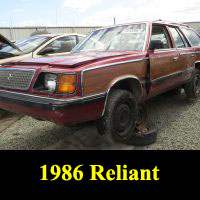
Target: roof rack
{"x": 172, "y": 23}
{"x": 181, "y": 24}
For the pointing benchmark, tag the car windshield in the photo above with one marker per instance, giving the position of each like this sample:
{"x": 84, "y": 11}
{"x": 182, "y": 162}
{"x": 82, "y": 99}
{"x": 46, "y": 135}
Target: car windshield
{"x": 120, "y": 38}
{"x": 26, "y": 45}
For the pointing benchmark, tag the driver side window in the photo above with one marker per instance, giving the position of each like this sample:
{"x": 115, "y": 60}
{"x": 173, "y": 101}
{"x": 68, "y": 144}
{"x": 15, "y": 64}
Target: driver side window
{"x": 159, "y": 39}
{"x": 62, "y": 45}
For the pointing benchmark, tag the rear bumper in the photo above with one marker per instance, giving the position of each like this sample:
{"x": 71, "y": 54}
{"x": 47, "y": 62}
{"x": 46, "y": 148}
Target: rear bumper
{"x": 59, "y": 111}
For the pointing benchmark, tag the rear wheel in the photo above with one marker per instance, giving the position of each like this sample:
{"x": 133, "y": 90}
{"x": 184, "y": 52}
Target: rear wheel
{"x": 119, "y": 120}
{"x": 192, "y": 89}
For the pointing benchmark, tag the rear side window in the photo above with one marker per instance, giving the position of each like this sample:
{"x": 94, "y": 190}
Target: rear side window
{"x": 177, "y": 38}
{"x": 183, "y": 38}
{"x": 192, "y": 37}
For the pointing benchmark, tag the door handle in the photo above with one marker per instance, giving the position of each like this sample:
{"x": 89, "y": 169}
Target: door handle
{"x": 175, "y": 58}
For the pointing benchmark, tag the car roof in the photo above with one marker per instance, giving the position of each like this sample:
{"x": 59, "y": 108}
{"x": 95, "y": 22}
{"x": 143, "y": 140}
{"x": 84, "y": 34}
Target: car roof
{"x": 163, "y": 22}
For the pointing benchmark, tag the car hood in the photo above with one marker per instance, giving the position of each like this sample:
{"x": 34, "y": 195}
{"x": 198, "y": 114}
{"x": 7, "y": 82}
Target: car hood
{"x": 77, "y": 59}
{"x": 8, "y": 42}
{"x": 15, "y": 59}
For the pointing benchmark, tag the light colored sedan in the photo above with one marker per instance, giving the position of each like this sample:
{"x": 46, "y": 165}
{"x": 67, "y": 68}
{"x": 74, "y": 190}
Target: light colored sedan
{"x": 38, "y": 46}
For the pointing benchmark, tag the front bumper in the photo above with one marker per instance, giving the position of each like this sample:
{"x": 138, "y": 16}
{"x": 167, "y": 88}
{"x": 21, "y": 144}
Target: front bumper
{"x": 59, "y": 111}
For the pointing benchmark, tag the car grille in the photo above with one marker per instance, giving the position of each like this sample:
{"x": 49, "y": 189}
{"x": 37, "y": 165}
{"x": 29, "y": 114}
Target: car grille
{"x": 16, "y": 78}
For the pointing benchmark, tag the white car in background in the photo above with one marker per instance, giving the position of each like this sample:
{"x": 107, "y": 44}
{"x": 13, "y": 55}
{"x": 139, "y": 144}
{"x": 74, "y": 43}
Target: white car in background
{"x": 37, "y": 46}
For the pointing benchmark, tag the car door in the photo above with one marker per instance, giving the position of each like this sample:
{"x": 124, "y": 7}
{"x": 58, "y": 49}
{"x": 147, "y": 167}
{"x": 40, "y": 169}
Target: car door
{"x": 186, "y": 52}
{"x": 164, "y": 62}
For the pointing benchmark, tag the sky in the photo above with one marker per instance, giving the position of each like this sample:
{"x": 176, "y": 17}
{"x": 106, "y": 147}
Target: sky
{"x": 95, "y": 12}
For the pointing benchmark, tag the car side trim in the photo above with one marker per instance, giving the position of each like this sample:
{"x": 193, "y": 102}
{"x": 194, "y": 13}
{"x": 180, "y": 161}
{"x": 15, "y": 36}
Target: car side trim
{"x": 115, "y": 63}
{"x": 164, "y": 78}
{"x": 173, "y": 75}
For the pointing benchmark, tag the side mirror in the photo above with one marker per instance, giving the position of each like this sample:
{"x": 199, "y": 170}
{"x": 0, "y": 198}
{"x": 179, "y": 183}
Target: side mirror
{"x": 46, "y": 51}
{"x": 156, "y": 44}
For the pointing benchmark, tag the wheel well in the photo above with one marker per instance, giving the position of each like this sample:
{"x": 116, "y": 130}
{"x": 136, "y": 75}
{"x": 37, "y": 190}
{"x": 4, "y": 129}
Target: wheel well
{"x": 130, "y": 84}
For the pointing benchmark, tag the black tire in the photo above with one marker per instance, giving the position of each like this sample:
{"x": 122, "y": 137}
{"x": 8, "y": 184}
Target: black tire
{"x": 145, "y": 139}
{"x": 2, "y": 113}
{"x": 143, "y": 116}
{"x": 192, "y": 89}
{"x": 120, "y": 117}
{"x": 176, "y": 91}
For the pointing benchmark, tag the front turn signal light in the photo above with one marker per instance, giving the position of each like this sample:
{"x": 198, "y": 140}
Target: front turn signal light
{"x": 66, "y": 84}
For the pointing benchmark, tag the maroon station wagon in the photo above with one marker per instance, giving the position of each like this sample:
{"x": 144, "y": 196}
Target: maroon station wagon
{"x": 106, "y": 76}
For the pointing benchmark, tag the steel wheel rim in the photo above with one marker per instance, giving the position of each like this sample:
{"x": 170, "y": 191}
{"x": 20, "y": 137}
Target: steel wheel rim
{"x": 123, "y": 118}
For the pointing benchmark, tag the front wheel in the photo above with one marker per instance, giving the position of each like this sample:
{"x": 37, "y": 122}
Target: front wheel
{"x": 121, "y": 113}
{"x": 192, "y": 89}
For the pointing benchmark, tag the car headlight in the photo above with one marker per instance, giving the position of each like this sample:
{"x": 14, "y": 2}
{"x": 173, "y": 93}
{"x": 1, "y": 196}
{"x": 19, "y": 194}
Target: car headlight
{"x": 66, "y": 83}
{"x": 50, "y": 82}
{"x": 60, "y": 83}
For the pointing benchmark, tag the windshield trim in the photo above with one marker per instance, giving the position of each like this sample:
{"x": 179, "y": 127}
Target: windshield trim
{"x": 121, "y": 25}
{"x": 146, "y": 36}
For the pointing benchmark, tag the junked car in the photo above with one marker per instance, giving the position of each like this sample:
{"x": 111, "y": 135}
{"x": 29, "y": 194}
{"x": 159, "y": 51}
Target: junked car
{"x": 37, "y": 46}
{"x": 106, "y": 77}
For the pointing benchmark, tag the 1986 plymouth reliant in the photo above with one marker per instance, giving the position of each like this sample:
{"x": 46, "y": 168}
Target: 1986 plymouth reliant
{"x": 106, "y": 76}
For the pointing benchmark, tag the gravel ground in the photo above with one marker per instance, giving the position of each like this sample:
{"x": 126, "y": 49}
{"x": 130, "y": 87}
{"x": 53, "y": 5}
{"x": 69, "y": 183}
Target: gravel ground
{"x": 177, "y": 119}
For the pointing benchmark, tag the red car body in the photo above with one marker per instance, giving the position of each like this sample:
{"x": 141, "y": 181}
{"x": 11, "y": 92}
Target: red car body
{"x": 97, "y": 73}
